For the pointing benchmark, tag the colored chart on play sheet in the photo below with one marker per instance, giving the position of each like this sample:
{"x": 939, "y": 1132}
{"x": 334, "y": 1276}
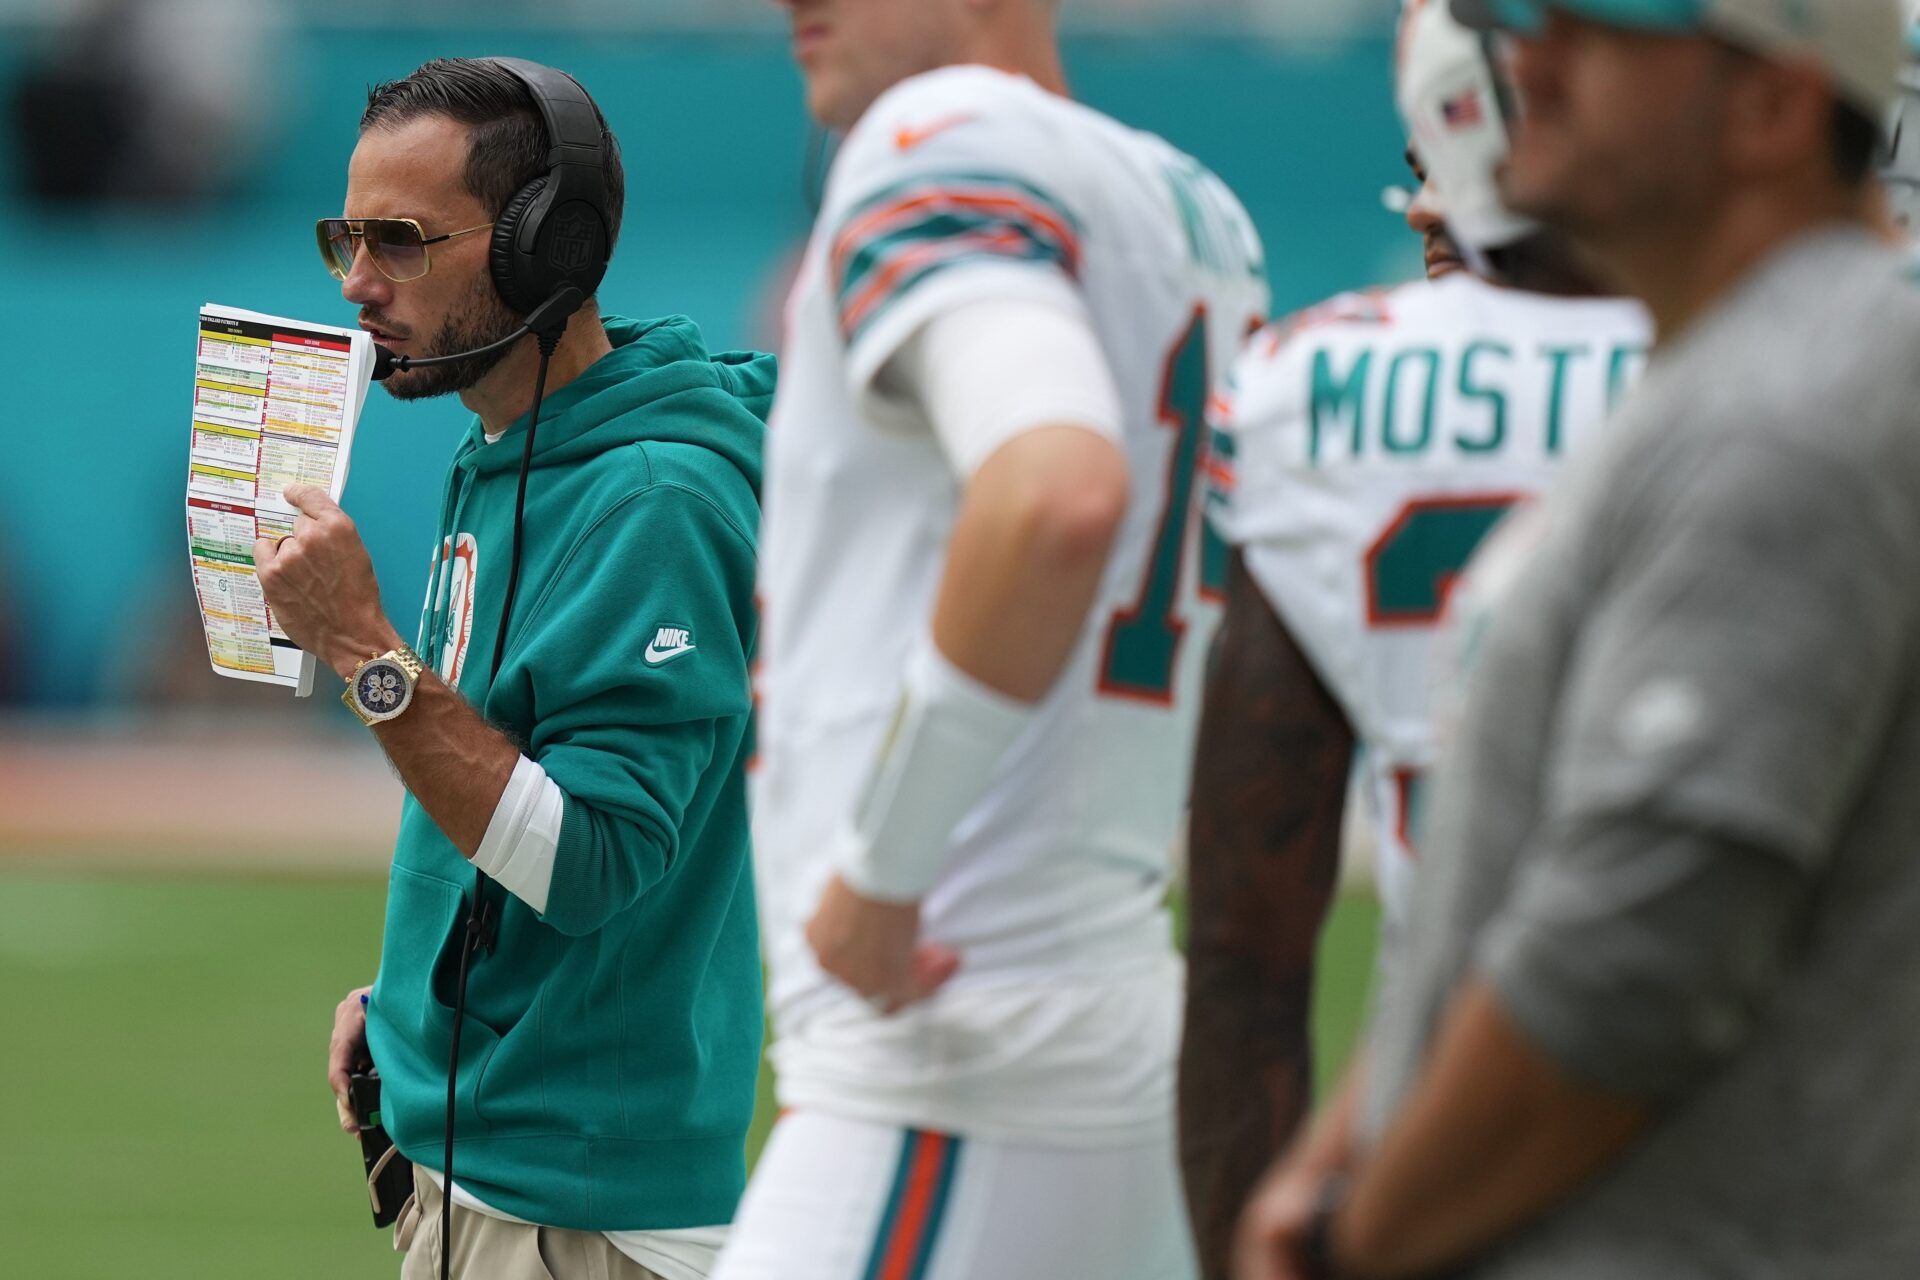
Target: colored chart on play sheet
{"x": 275, "y": 402}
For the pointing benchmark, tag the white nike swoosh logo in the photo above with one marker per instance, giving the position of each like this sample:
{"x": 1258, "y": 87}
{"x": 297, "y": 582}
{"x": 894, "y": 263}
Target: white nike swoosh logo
{"x": 657, "y": 656}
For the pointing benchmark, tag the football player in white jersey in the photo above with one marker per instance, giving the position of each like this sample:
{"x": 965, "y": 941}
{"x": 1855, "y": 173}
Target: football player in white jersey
{"x": 985, "y": 618}
{"x": 1362, "y": 450}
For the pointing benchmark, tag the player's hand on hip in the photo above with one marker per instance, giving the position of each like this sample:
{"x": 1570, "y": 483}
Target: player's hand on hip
{"x": 875, "y": 948}
{"x": 1273, "y": 1226}
{"x": 319, "y": 583}
{"x": 347, "y": 1052}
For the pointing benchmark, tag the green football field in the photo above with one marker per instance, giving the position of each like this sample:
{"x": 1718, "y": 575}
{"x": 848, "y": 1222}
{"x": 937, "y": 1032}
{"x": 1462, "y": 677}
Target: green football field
{"x": 163, "y": 1071}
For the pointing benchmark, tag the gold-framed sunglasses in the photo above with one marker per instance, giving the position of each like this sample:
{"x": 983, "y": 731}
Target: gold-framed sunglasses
{"x": 397, "y": 246}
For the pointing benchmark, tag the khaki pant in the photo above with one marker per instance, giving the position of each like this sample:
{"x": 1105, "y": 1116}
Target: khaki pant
{"x": 494, "y": 1249}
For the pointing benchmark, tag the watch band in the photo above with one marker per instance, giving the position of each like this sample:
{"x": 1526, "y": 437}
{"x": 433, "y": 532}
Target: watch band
{"x": 404, "y": 655}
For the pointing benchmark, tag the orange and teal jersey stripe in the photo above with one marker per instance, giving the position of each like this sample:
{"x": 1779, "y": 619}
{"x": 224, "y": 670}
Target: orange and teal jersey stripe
{"x": 899, "y": 238}
{"x": 916, "y": 1207}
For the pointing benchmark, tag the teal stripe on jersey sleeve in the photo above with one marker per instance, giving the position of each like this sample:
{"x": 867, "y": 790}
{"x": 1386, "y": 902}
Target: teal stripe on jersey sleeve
{"x": 912, "y": 272}
{"x": 912, "y": 231}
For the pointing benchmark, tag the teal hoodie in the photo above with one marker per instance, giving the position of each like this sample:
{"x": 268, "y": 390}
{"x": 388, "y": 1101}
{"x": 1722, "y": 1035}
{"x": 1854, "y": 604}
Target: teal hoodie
{"x": 610, "y": 1046}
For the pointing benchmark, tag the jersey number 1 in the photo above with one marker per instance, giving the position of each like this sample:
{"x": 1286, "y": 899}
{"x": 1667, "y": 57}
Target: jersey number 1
{"x": 1143, "y": 639}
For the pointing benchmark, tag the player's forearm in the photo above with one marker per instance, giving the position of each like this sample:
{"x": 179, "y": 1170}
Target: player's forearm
{"x": 451, "y": 760}
{"x": 1246, "y": 1064}
{"x": 1493, "y": 1135}
{"x": 1028, "y": 550}
{"x": 1263, "y": 855}
{"x": 1245, "y": 1081}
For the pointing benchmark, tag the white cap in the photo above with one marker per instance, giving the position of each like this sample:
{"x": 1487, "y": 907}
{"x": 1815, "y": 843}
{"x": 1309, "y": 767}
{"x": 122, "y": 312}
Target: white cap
{"x": 1858, "y": 43}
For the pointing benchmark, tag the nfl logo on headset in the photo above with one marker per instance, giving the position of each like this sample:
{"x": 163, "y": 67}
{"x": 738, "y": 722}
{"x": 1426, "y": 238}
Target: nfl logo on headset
{"x": 571, "y": 243}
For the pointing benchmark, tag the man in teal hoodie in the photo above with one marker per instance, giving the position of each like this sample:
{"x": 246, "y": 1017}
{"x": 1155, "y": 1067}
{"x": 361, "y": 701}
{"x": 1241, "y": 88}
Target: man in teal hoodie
{"x": 611, "y": 1034}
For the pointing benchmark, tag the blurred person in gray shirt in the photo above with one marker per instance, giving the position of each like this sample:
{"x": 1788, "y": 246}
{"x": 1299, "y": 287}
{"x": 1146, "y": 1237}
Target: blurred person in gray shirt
{"x": 1657, "y": 1011}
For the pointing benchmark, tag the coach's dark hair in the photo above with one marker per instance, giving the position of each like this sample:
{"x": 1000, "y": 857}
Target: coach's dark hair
{"x": 508, "y": 145}
{"x": 1857, "y": 143}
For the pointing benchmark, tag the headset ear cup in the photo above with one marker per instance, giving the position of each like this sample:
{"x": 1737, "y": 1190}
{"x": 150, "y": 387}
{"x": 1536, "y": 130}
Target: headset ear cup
{"x": 516, "y": 274}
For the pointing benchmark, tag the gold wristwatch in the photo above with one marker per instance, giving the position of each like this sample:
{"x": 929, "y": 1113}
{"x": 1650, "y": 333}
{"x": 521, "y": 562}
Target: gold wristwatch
{"x": 382, "y": 687}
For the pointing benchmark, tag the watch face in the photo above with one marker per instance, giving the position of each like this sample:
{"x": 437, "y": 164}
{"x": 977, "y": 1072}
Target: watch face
{"x": 381, "y": 688}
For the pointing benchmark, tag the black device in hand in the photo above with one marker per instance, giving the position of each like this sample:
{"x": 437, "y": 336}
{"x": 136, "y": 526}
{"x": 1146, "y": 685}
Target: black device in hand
{"x": 389, "y": 1174}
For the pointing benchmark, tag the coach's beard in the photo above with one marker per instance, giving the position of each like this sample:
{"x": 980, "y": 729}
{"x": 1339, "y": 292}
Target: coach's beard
{"x": 483, "y": 321}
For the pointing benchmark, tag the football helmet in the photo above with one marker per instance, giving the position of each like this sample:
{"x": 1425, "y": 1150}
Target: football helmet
{"x": 1458, "y": 108}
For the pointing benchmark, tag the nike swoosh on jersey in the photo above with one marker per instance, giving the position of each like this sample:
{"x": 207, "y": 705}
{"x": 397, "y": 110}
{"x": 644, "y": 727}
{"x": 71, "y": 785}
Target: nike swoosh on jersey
{"x": 655, "y": 656}
{"x": 906, "y": 137}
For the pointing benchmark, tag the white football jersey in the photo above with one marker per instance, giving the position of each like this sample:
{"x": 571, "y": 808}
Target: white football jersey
{"x": 959, "y": 185}
{"x": 1361, "y": 451}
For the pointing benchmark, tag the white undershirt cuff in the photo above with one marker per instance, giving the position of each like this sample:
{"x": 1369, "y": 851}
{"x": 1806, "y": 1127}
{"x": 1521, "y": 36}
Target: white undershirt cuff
{"x": 523, "y": 837}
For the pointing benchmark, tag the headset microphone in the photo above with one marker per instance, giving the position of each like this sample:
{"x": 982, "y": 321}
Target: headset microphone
{"x": 550, "y": 317}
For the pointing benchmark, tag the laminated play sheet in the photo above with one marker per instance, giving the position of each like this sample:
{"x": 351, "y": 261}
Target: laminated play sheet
{"x": 275, "y": 401}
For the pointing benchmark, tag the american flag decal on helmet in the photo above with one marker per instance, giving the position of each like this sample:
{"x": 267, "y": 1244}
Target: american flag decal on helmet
{"x": 1463, "y": 110}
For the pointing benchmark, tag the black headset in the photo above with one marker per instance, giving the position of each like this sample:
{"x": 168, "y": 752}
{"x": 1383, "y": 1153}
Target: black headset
{"x": 553, "y": 239}
{"x": 554, "y": 232}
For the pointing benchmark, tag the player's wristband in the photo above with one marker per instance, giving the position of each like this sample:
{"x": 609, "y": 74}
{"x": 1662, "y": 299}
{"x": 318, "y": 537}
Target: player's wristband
{"x": 949, "y": 735}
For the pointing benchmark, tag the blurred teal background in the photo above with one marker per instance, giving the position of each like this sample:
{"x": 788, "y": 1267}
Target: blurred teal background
{"x": 99, "y": 302}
